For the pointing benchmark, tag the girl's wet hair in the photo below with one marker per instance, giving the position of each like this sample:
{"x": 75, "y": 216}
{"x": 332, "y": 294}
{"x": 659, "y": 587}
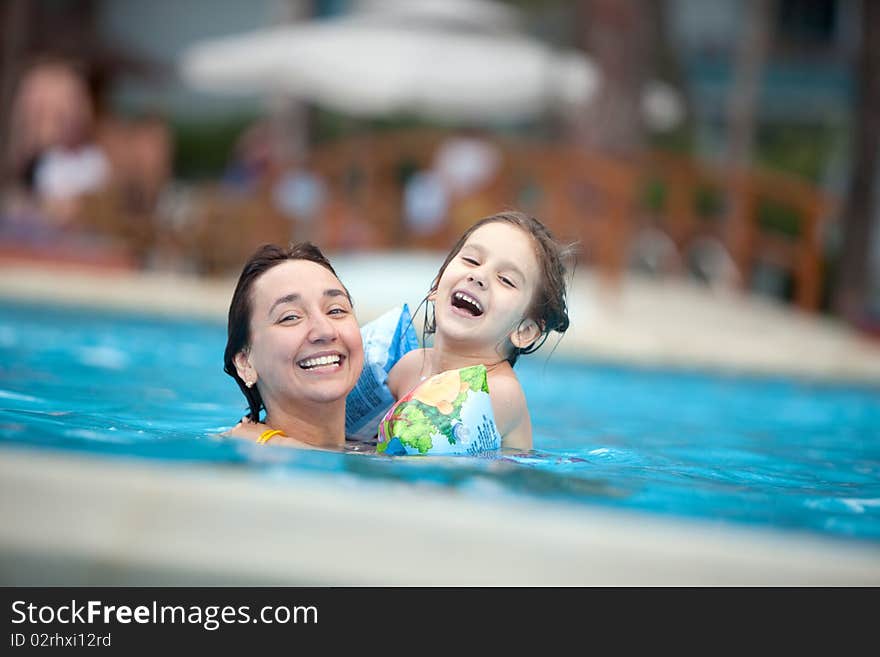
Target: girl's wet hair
{"x": 238, "y": 334}
{"x": 549, "y": 307}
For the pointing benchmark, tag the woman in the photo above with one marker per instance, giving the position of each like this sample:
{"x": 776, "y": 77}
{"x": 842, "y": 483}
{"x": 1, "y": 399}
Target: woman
{"x": 294, "y": 347}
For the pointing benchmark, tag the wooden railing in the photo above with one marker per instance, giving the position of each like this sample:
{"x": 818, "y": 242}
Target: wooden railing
{"x": 596, "y": 201}
{"x": 583, "y": 197}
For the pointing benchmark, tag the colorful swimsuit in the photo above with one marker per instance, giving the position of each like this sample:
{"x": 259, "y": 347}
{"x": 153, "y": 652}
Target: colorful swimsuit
{"x": 449, "y": 413}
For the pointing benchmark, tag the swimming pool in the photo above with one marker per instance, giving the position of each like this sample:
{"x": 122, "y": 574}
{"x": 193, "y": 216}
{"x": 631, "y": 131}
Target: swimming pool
{"x": 738, "y": 451}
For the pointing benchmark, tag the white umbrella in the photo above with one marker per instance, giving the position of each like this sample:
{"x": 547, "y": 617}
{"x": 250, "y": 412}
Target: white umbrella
{"x": 485, "y": 15}
{"x": 381, "y": 63}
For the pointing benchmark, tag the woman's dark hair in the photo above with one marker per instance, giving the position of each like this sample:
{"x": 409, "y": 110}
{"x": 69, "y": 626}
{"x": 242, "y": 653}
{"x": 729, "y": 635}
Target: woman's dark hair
{"x": 238, "y": 333}
{"x": 549, "y": 307}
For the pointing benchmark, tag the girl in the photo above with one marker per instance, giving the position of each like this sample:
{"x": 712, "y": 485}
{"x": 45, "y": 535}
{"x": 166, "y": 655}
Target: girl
{"x": 498, "y": 294}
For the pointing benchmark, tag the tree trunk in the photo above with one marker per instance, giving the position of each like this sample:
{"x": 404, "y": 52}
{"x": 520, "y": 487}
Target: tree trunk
{"x": 861, "y": 208}
{"x": 14, "y": 15}
{"x": 618, "y": 34}
{"x": 749, "y": 62}
{"x": 289, "y": 116}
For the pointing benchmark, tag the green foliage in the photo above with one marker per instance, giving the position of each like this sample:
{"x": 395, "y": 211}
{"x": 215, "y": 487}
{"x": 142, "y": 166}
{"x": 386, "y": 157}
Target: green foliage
{"x": 654, "y": 195}
{"x": 203, "y": 148}
{"x": 803, "y": 150}
{"x": 329, "y": 125}
{"x": 709, "y": 202}
{"x": 679, "y": 140}
{"x": 779, "y": 219}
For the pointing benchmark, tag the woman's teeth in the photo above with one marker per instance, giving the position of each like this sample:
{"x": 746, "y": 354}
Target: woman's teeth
{"x": 320, "y": 361}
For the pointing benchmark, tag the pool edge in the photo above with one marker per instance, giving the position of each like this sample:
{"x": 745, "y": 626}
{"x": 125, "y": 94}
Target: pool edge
{"x": 71, "y": 519}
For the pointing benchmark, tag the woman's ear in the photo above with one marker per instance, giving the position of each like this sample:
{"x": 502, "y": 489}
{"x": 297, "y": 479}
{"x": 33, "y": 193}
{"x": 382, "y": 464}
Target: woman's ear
{"x": 245, "y": 370}
{"x": 525, "y": 334}
{"x": 432, "y": 295}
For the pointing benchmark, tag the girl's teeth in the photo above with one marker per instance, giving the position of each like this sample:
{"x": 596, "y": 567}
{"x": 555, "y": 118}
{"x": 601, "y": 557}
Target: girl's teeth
{"x": 468, "y": 299}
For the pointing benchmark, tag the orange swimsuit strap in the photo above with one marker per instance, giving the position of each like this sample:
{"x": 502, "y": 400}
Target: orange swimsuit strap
{"x": 267, "y": 435}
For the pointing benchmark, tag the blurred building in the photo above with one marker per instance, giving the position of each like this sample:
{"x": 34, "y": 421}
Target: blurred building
{"x": 803, "y": 113}
{"x": 807, "y": 81}
{"x": 808, "y": 77}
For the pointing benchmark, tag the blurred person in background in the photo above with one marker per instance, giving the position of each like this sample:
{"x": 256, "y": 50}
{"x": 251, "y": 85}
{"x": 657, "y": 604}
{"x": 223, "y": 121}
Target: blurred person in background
{"x": 260, "y": 169}
{"x": 54, "y": 154}
{"x": 300, "y": 194}
{"x": 253, "y": 158}
{"x": 425, "y": 203}
{"x": 140, "y": 152}
{"x": 466, "y": 164}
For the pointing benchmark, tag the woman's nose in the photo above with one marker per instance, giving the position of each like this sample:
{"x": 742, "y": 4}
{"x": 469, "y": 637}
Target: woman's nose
{"x": 322, "y": 329}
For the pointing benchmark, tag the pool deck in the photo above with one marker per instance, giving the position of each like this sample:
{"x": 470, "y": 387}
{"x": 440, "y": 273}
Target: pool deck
{"x": 72, "y": 519}
{"x": 78, "y": 521}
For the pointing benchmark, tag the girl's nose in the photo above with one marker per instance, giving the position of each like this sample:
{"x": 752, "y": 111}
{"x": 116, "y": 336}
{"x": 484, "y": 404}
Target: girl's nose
{"x": 474, "y": 278}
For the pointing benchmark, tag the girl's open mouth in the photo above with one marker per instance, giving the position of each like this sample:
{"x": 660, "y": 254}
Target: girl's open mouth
{"x": 465, "y": 302}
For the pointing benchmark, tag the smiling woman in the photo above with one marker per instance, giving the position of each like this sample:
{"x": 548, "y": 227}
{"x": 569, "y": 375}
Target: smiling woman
{"x": 293, "y": 346}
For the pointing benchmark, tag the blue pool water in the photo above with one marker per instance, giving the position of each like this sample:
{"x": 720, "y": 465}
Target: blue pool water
{"x": 767, "y": 452}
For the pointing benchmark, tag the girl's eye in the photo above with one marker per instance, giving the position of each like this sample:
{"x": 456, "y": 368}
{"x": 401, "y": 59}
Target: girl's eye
{"x": 506, "y": 281}
{"x": 337, "y": 311}
{"x": 469, "y": 260}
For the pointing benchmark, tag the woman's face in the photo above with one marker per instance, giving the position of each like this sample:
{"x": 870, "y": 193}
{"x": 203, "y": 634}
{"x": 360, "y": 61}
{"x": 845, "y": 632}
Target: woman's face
{"x": 305, "y": 341}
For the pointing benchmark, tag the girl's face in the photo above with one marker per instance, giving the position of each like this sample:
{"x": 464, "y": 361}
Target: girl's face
{"x": 487, "y": 288}
{"x": 305, "y": 341}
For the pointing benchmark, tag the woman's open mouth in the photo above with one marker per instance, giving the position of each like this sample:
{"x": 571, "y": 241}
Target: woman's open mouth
{"x": 321, "y": 362}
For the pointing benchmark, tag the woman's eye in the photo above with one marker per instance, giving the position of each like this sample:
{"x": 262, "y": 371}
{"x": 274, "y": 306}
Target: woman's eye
{"x": 470, "y": 261}
{"x": 337, "y": 311}
{"x": 289, "y": 318}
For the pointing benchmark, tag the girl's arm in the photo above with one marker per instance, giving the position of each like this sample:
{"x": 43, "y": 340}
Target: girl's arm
{"x": 406, "y": 373}
{"x": 511, "y": 412}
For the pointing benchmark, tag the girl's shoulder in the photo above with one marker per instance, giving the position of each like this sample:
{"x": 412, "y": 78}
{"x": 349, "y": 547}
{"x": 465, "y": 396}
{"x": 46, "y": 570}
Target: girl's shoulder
{"x": 510, "y": 408}
{"x": 407, "y": 372}
{"x": 504, "y": 384}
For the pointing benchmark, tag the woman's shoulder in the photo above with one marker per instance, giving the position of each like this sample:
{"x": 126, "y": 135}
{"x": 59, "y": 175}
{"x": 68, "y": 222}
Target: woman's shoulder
{"x": 252, "y": 432}
{"x": 246, "y": 429}
{"x": 261, "y": 433}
